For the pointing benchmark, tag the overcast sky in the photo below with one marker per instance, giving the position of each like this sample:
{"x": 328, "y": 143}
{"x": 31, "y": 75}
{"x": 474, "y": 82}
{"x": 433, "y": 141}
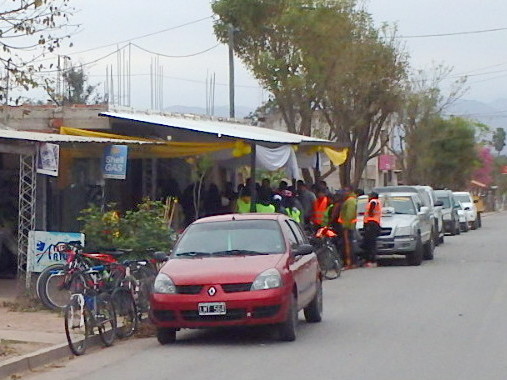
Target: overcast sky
{"x": 117, "y": 21}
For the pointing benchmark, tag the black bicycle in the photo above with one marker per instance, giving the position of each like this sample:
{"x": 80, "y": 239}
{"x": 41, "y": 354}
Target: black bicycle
{"x": 330, "y": 260}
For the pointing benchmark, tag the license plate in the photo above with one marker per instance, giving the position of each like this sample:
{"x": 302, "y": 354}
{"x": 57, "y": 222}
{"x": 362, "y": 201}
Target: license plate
{"x": 212, "y": 308}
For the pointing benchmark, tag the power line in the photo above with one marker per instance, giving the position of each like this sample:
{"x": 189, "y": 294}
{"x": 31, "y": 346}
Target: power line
{"x": 455, "y": 33}
{"x": 145, "y": 35}
{"x": 176, "y": 56}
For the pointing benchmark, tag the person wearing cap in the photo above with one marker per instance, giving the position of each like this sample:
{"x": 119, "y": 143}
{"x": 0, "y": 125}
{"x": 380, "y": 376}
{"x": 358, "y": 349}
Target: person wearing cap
{"x": 371, "y": 219}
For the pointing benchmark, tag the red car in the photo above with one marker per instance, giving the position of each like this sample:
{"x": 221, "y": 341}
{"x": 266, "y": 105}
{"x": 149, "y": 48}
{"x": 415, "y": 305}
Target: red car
{"x": 237, "y": 270}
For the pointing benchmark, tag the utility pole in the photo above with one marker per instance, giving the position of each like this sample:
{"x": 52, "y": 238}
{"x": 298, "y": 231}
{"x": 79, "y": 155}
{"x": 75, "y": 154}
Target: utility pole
{"x": 231, "y": 71}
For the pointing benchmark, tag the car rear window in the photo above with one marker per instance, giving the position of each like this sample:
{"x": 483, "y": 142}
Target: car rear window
{"x": 463, "y": 198}
{"x": 446, "y": 202}
{"x": 262, "y": 236}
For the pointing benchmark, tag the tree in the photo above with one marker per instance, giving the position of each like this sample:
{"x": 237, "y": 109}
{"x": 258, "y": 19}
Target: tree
{"x": 323, "y": 56}
{"x": 29, "y": 29}
{"x": 499, "y": 140}
{"x": 76, "y": 89}
{"x": 450, "y": 154}
{"x": 484, "y": 172}
{"x": 423, "y": 101}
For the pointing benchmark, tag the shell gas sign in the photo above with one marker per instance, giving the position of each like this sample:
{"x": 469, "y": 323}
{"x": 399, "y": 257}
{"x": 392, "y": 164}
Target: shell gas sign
{"x": 115, "y": 162}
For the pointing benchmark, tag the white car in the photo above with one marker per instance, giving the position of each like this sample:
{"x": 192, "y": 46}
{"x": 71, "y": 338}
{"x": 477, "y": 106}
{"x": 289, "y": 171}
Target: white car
{"x": 469, "y": 207}
{"x": 463, "y": 218}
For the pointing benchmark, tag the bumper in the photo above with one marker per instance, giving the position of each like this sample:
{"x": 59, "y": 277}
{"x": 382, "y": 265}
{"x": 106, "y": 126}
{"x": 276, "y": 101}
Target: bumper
{"x": 396, "y": 245}
{"x": 242, "y": 309}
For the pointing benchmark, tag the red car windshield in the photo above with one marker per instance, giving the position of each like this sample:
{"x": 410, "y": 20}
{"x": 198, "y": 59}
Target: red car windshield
{"x": 237, "y": 237}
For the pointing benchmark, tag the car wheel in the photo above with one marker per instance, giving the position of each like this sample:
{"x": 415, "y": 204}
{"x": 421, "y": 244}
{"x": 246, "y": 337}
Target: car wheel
{"x": 475, "y": 224}
{"x": 287, "y": 330}
{"x": 313, "y": 312}
{"x": 166, "y": 335}
{"x": 464, "y": 227}
{"x": 429, "y": 249}
{"x": 458, "y": 228}
{"x": 415, "y": 257}
{"x": 479, "y": 220}
{"x": 441, "y": 239}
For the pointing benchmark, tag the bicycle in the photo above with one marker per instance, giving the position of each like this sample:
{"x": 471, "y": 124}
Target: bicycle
{"x": 330, "y": 260}
{"x": 89, "y": 308}
{"x": 53, "y": 282}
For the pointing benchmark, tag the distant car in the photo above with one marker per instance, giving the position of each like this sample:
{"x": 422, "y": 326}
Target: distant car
{"x": 466, "y": 200}
{"x": 238, "y": 269}
{"x": 463, "y": 218}
{"x": 429, "y": 200}
{"x": 406, "y": 227}
{"x": 449, "y": 211}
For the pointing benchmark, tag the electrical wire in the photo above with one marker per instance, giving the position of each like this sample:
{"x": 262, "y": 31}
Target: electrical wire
{"x": 455, "y": 33}
{"x": 177, "y": 56}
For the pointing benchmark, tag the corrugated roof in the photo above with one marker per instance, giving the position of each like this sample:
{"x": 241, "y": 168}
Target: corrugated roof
{"x": 218, "y": 128}
{"x": 56, "y": 138}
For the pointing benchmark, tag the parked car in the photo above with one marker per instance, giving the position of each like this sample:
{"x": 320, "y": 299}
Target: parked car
{"x": 238, "y": 269}
{"x": 463, "y": 218}
{"x": 429, "y": 200}
{"x": 466, "y": 200}
{"x": 406, "y": 227}
{"x": 449, "y": 211}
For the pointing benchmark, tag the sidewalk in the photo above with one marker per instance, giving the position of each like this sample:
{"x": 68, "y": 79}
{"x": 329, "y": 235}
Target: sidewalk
{"x": 29, "y": 335}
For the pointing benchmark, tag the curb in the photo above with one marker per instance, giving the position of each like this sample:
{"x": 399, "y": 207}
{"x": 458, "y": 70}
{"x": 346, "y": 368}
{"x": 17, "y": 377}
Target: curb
{"x": 39, "y": 358}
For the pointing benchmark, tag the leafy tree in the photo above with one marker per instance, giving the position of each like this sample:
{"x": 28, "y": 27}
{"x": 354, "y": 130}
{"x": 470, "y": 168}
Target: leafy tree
{"x": 77, "y": 91}
{"x": 499, "y": 139}
{"x": 449, "y": 153}
{"x": 29, "y": 29}
{"x": 484, "y": 172}
{"x": 423, "y": 101}
{"x": 321, "y": 56}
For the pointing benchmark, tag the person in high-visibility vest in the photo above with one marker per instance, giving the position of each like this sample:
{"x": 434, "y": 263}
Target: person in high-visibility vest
{"x": 372, "y": 218}
{"x": 243, "y": 203}
{"x": 348, "y": 219}
{"x": 289, "y": 207}
{"x": 320, "y": 208}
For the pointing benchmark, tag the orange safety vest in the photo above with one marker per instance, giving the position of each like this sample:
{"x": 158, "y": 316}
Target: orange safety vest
{"x": 320, "y": 206}
{"x": 376, "y": 213}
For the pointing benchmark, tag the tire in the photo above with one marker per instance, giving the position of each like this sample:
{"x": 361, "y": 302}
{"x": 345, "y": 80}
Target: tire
{"x": 331, "y": 263}
{"x": 453, "y": 230}
{"x": 479, "y": 220}
{"x": 415, "y": 258}
{"x": 49, "y": 288}
{"x": 126, "y": 312}
{"x": 166, "y": 335}
{"x": 429, "y": 250}
{"x": 106, "y": 319}
{"x": 287, "y": 329}
{"x": 144, "y": 278}
{"x": 458, "y": 228}
{"x": 313, "y": 312}
{"x": 464, "y": 227}
{"x": 475, "y": 224}
{"x": 77, "y": 327}
{"x": 441, "y": 239}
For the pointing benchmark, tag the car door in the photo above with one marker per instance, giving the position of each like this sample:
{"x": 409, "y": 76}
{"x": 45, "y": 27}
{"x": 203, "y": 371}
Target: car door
{"x": 299, "y": 266}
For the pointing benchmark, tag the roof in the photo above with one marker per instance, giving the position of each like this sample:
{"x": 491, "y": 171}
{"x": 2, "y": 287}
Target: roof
{"x": 56, "y": 138}
{"x": 219, "y": 128}
{"x": 246, "y": 216}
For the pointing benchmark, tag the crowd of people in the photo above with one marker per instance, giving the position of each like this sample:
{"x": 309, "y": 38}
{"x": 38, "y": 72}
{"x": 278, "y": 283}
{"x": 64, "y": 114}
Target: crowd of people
{"x": 312, "y": 206}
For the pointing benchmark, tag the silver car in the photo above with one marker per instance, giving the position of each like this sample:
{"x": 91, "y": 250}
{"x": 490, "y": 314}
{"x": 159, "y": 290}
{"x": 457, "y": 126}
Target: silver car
{"x": 406, "y": 227}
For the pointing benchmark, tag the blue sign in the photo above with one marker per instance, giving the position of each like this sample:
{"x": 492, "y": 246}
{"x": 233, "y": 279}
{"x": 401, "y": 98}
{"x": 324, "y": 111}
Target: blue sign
{"x": 115, "y": 162}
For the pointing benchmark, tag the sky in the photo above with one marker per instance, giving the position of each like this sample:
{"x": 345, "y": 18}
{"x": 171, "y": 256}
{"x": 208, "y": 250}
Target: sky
{"x": 483, "y": 56}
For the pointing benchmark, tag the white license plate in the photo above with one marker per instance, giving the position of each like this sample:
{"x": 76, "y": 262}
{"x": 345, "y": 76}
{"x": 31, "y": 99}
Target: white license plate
{"x": 212, "y": 308}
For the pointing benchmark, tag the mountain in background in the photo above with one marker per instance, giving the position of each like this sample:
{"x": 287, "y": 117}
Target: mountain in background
{"x": 222, "y": 111}
{"x": 493, "y": 114}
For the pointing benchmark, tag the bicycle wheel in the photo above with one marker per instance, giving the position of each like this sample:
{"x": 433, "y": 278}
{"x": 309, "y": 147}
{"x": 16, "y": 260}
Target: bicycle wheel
{"x": 144, "y": 278}
{"x": 77, "y": 321}
{"x": 126, "y": 313}
{"x": 105, "y": 319}
{"x": 332, "y": 264}
{"x": 50, "y": 289}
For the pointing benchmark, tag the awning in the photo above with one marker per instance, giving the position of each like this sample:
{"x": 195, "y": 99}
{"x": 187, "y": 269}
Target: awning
{"x": 220, "y": 129}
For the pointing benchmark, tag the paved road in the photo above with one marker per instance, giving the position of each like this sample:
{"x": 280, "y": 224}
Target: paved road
{"x": 443, "y": 320}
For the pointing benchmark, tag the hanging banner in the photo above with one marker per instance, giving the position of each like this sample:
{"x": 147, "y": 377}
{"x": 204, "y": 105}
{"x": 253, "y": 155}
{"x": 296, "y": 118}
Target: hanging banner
{"x": 48, "y": 159}
{"x": 46, "y": 248}
{"x": 115, "y": 162}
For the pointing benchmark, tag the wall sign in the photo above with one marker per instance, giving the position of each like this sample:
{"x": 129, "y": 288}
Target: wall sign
{"x": 115, "y": 162}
